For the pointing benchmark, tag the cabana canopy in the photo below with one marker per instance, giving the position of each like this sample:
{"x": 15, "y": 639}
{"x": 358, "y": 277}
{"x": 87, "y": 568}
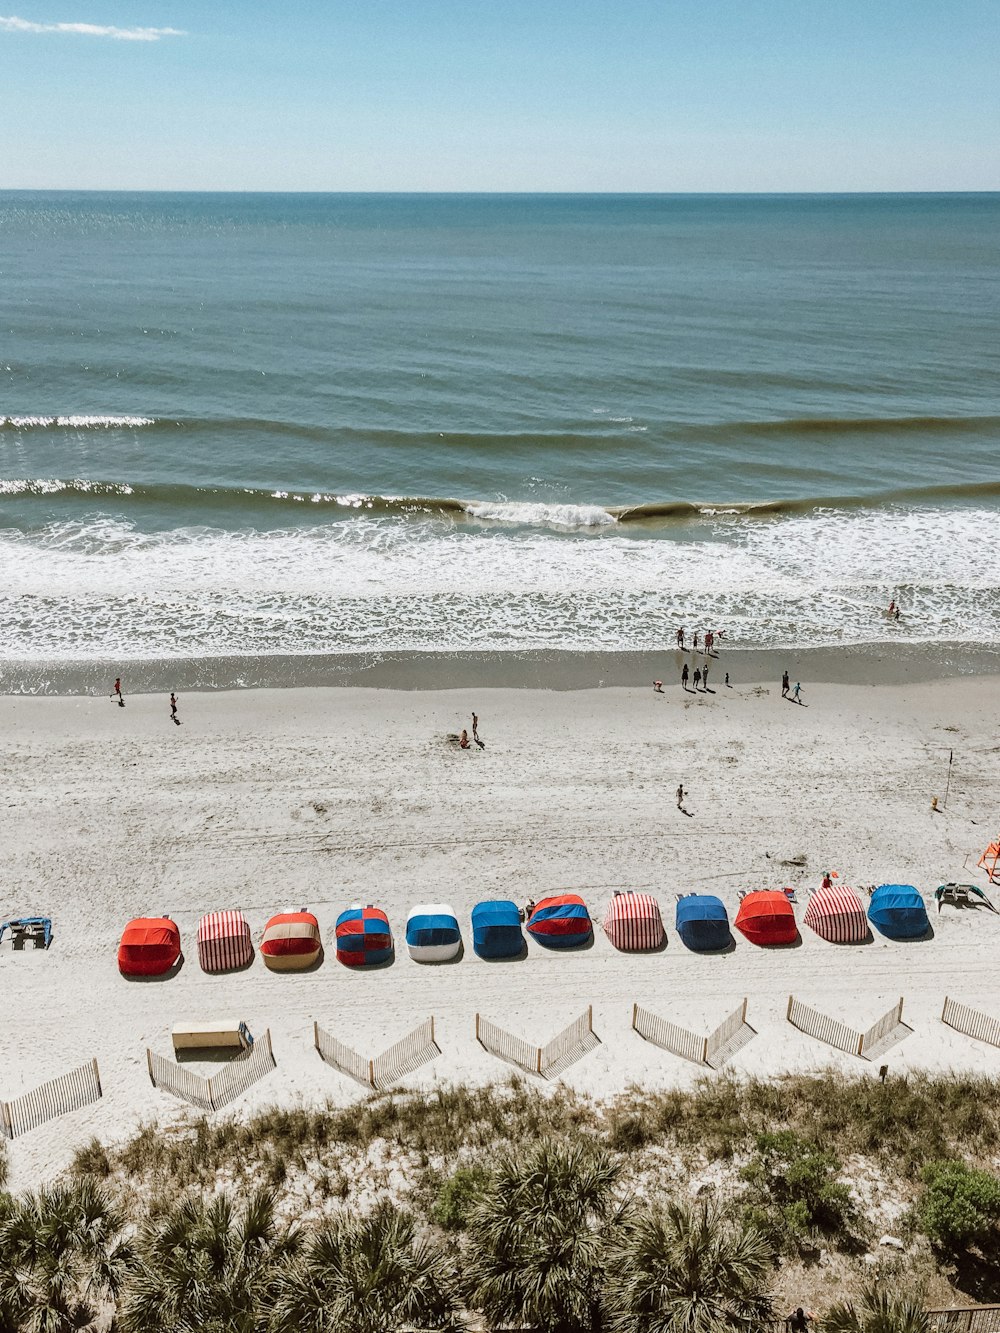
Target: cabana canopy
{"x": 633, "y": 921}
{"x": 702, "y": 922}
{"x": 363, "y": 937}
{"x": 496, "y": 929}
{"x": 224, "y": 942}
{"x": 150, "y": 946}
{"x": 560, "y": 922}
{"x": 837, "y": 915}
{"x": 432, "y": 933}
{"x": 291, "y": 942}
{"x": 898, "y": 911}
{"x": 766, "y": 918}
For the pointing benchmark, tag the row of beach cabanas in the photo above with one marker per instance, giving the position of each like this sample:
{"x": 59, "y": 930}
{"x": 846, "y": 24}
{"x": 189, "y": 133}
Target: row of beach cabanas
{"x": 292, "y": 941}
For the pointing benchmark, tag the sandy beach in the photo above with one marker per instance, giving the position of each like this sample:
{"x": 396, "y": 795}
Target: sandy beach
{"x": 269, "y": 799}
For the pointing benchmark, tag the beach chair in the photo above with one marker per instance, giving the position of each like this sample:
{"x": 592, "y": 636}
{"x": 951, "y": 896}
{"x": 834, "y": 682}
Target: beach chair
{"x": 34, "y": 929}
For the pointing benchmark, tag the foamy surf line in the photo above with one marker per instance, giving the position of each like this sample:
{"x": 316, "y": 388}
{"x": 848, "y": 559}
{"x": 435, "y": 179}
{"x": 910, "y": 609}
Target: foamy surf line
{"x": 883, "y": 664}
{"x": 242, "y": 503}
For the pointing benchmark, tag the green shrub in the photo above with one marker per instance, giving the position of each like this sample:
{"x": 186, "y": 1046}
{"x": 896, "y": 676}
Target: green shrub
{"x": 960, "y": 1206}
{"x": 458, "y": 1195}
{"x": 794, "y": 1193}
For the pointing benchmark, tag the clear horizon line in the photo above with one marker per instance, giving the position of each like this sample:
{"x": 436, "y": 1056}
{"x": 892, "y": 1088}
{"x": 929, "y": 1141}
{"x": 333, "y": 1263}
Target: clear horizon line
{"x": 550, "y": 194}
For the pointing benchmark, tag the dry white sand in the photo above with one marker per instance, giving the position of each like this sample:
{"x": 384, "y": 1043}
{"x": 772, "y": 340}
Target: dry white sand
{"x": 319, "y": 798}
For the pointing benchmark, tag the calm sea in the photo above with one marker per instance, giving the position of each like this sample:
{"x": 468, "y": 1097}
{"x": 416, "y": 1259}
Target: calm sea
{"x": 271, "y": 425}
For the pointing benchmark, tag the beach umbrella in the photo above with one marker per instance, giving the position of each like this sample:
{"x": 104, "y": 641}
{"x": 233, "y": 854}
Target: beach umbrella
{"x": 766, "y": 918}
{"x": 633, "y": 921}
{"x": 702, "y": 922}
{"x": 496, "y": 929}
{"x": 224, "y": 942}
{"x": 838, "y": 915}
{"x": 432, "y": 933}
{"x": 291, "y": 942}
{"x": 149, "y": 946}
{"x": 363, "y": 937}
{"x": 560, "y": 922}
{"x": 898, "y": 912}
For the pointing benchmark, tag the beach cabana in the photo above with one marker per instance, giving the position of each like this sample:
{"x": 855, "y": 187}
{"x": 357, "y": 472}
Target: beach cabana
{"x": 224, "y": 942}
{"x": 291, "y": 942}
{"x": 633, "y": 921}
{"x": 838, "y": 915}
{"x": 363, "y": 937}
{"x": 149, "y": 947}
{"x": 898, "y": 912}
{"x": 702, "y": 922}
{"x": 766, "y": 918}
{"x": 496, "y": 929}
{"x": 560, "y": 922}
{"x": 432, "y": 933}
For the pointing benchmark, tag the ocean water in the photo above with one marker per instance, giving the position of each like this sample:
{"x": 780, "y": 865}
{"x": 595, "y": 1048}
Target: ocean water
{"x": 279, "y": 426}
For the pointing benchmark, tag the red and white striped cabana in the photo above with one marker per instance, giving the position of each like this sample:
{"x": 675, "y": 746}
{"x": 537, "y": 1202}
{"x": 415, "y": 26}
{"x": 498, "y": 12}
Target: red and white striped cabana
{"x": 633, "y": 921}
{"x": 224, "y": 942}
{"x": 838, "y": 915}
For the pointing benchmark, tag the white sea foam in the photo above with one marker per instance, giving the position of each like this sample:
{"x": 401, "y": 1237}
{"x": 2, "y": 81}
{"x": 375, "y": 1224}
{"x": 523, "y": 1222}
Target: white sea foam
{"x": 376, "y": 582}
{"x": 76, "y": 421}
{"x": 540, "y": 515}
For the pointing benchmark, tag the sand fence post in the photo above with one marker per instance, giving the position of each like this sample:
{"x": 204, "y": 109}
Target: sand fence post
{"x": 149, "y": 1066}
{"x": 743, "y": 1015}
{"x": 635, "y": 1015}
{"x": 788, "y": 1011}
{"x": 944, "y": 1008}
{"x": 97, "y": 1079}
{"x": 704, "y": 1052}
{"x": 478, "y": 1037}
{"x": 371, "y": 1072}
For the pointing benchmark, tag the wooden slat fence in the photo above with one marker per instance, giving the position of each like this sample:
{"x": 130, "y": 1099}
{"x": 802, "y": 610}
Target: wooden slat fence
{"x": 548, "y": 1061}
{"x": 679, "y": 1041}
{"x": 713, "y": 1051}
{"x": 59, "y": 1096}
{"x": 966, "y": 1319}
{"x": 343, "y": 1057}
{"x": 730, "y": 1036}
{"x": 503, "y": 1044}
{"x": 970, "y": 1021}
{"x": 211, "y": 1094}
{"x": 879, "y": 1031}
{"x": 822, "y": 1027}
{"x": 839, "y": 1035}
{"x": 403, "y": 1057}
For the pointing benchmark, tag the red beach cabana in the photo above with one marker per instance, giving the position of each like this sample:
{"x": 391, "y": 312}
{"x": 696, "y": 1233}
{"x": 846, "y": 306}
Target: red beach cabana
{"x": 766, "y": 917}
{"x": 838, "y": 915}
{"x": 224, "y": 942}
{"x": 149, "y": 946}
{"x": 633, "y": 921}
{"x": 291, "y": 942}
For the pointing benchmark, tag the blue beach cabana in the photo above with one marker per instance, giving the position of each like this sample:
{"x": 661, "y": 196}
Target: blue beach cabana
{"x": 898, "y": 911}
{"x": 496, "y": 929}
{"x": 702, "y": 922}
{"x": 432, "y": 933}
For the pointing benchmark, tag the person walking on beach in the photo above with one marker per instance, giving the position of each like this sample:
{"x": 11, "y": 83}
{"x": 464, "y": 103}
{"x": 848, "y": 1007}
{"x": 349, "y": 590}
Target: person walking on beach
{"x": 117, "y": 692}
{"x": 475, "y": 726}
{"x": 796, "y": 692}
{"x": 784, "y": 685}
{"x": 173, "y": 709}
{"x": 657, "y": 686}
{"x": 684, "y": 675}
{"x": 696, "y": 640}
{"x": 680, "y": 796}
{"x": 697, "y": 678}
{"x": 680, "y": 638}
{"x": 704, "y": 675}
{"x": 709, "y": 640}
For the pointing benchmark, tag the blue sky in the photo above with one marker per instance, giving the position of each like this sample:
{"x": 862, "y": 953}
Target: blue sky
{"x": 649, "y": 95}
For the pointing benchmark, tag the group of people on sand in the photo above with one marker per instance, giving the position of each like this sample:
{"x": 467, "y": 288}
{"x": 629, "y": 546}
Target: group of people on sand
{"x": 463, "y": 740}
{"x": 116, "y": 693}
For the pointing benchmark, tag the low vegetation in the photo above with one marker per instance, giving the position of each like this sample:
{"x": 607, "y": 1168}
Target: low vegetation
{"x": 720, "y": 1206}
